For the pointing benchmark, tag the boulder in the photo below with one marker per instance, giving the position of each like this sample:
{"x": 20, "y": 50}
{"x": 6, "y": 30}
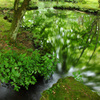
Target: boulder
{"x": 69, "y": 89}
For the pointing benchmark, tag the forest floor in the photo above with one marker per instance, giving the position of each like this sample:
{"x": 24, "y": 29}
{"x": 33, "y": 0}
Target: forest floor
{"x": 22, "y": 42}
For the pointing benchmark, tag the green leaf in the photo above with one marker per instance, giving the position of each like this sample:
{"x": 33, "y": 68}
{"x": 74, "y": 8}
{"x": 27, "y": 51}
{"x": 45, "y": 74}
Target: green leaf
{"x": 7, "y": 70}
{"x": 2, "y": 80}
{"x": 19, "y": 63}
{"x": 21, "y": 69}
{"x": 17, "y": 74}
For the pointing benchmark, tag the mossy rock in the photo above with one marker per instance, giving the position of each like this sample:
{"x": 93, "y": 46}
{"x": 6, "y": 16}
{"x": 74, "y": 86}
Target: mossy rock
{"x": 69, "y": 89}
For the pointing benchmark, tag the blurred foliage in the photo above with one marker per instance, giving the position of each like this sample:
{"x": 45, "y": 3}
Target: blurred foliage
{"x": 70, "y": 32}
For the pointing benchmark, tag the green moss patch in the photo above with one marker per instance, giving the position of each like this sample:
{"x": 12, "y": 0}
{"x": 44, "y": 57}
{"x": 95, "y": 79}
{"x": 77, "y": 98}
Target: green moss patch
{"x": 4, "y": 26}
{"x": 84, "y": 9}
{"x": 90, "y": 6}
{"x": 4, "y": 4}
{"x": 69, "y": 89}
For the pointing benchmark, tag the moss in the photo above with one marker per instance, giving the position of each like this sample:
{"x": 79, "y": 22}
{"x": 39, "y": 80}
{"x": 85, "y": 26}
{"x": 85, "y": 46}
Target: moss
{"x": 22, "y": 42}
{"x": 83, "y": 9}
{"x": 4, "y": 26}
{"x": 90, "y": 6}
{"x": 69, "y": 89}
{"x": 6, "y": 13}
{"x": 6, "y": 3}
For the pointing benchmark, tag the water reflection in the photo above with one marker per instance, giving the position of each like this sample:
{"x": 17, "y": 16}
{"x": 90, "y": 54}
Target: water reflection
{"x": 33, "y": 93}
{"x": 10, "y": 94}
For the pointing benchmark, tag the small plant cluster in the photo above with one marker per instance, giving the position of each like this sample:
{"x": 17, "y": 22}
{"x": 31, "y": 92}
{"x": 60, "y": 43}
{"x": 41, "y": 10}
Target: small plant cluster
{"x": 22, "y": 70}
{"x": 49, "y": 91}
{"x": 78, "y": 76}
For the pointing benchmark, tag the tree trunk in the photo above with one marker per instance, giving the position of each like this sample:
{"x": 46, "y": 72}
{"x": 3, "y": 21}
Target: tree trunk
{"x": 99, "y": 26}
{"x": 99, "y": 3}
{"x": 18, "y": 15}
{"x": 57, "y": 1}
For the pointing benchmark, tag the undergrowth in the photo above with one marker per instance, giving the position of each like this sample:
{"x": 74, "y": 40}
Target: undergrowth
{"x": 22, "y": 70}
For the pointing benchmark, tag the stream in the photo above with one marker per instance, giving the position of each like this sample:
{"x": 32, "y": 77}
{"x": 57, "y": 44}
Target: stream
{"x": 64, "y": 29}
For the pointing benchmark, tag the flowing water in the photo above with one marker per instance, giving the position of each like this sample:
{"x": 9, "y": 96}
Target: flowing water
{"x": 74, "y": 35}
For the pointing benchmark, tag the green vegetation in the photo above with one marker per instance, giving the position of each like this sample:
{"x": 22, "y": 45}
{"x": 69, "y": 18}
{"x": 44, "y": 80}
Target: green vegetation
{"x": 4, "y": 27}
{"x": 69, "y": 89}
{"x": 79, "y": 33}
{"x": 78, "y": 76}
{"x": 8, "y": 4}
{"x": 22, "y": 70}
{"x": 74, "y": 34}
{"x": 20, "y": 63}
{"x": 90, "y": 6}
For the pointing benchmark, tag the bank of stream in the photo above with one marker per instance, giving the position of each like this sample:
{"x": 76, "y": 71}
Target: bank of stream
{"x": 67, "y": 32}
